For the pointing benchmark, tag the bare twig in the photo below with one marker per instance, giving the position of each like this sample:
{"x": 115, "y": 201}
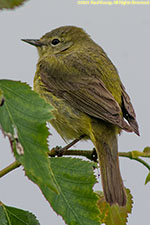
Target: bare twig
{"x": 132, "y": 155}
{"x": 91, "y": 155}
{"x": 9, "y": 168}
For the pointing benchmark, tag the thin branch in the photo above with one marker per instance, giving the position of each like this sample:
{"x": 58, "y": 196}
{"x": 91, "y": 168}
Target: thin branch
{"x": 9, "y": 168}
{"x": 91, "y": 155}
{"x": 86, "y": 153}
{"x": 134, "y": 155}
{"x": 131, "y": 155}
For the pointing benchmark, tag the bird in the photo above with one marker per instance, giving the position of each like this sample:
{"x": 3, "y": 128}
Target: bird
{"x": 75, "y": 76}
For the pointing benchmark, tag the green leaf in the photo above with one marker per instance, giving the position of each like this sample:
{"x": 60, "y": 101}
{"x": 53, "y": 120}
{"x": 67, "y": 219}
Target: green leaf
{"x": 9, "y": 4}
{"x": 14, "y": 216}
{"x": 114, "y": 215}
{"x": 147, "y": 178}
{"x": 23, "y": 119}
{"x": 76, "y": 202}
{"x": 65, "y": 182}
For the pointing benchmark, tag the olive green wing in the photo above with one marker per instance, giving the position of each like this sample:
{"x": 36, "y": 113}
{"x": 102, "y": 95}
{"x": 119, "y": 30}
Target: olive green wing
{"x": 95, "y": 100}
{"x": 87, "y": 95}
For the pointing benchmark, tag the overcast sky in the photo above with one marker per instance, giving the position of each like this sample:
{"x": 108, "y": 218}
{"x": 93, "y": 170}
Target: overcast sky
{"x": 124, "y": 33}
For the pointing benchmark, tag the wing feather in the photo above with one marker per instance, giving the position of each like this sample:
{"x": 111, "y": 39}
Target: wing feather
{"x": 128, "y": 111}
{"x": 91, "y": 97}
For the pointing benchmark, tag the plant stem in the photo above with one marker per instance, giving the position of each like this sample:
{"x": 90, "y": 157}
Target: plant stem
{"x": 134, "y": 155}
{"x": 9, "y": 168}
{"x": 91, "y": 155}
{"x": 130, "y": 155}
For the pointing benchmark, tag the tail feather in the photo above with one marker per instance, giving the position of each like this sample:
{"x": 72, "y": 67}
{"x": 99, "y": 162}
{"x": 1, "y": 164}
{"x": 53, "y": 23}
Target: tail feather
{"x": 112, "y": 183}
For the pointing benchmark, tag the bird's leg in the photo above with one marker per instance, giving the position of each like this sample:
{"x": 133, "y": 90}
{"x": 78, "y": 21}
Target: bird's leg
{"x": 59, "y": 151}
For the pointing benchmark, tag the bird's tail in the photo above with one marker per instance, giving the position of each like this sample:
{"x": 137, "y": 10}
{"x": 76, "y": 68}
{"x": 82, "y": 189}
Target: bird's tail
{"x": 107, "y": 151}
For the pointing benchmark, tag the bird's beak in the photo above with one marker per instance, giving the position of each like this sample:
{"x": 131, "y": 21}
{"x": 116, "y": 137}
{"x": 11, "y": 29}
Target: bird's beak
{"x": 35, "y": 42}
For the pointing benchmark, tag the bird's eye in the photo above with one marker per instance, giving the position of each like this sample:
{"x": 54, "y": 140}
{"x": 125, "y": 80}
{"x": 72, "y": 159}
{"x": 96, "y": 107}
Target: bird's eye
{"x": 55, "y": 41}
